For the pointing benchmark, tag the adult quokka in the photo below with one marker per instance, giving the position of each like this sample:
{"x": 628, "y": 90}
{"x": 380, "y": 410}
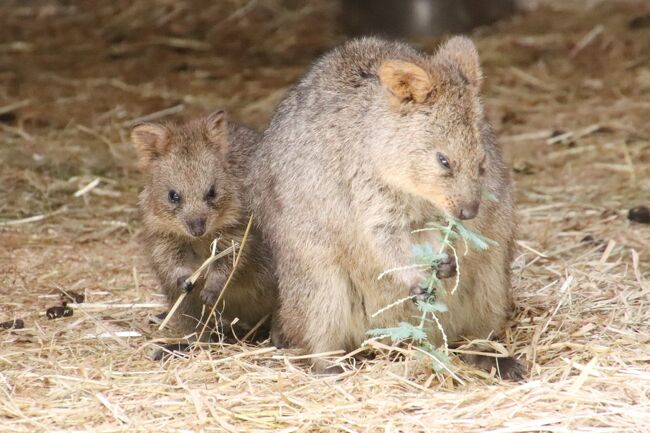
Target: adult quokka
{"x": 375, "y": 141}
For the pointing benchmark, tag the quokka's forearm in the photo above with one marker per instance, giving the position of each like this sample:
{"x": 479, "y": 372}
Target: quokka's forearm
{"x": 394, "y": 255}
{"x": 173, "y": 266}
{"x": 215, "y": 281}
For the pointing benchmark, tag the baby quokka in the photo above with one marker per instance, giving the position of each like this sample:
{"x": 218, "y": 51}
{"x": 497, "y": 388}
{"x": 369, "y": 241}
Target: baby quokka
{"x": 192, "y": 196}
{"x": 374, "y": 142}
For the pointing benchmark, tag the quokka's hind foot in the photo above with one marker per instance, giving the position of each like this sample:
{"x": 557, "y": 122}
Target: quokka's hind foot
{"x": 324, "y": 368}
{"x": 511, "y": 369}
{"x": 174, "y": 350}
{"x": 507, "y": 368}
{"x": 333, "y": 370}
{"x": 277, "y": 338}
{"x": 259, "y": 335}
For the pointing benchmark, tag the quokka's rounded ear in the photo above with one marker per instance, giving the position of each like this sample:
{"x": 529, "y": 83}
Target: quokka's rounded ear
{"x": 461, "y": 52}
{"x": 406, "y": 81}
{"x": 217, "y": 125}
{"x": 150, "y": 142}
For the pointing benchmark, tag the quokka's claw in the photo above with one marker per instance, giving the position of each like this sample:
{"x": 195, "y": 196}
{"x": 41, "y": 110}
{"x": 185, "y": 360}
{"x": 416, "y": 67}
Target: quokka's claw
{"x": 447, "y": 268}
{"x": 419, "y": 293}
{"x": 185, "y": 284}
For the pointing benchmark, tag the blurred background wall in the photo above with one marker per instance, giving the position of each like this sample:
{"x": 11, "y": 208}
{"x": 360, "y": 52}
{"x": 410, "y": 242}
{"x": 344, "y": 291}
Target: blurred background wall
{"x": 407, "y": 18}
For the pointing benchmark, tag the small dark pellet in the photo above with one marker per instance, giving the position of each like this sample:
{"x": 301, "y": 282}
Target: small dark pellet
{"x": 59, "y": 311}
{"x": 13, "y": 324}
{"x": 639, "y": 214}
{"x": 71, "y": 296}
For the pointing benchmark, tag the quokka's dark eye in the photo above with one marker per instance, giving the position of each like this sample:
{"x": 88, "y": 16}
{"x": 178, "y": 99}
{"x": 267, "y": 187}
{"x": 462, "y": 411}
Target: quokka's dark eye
{"x": 174, "y": 197}
{"x": 443, "y": 160}
{"x": 211, "y": 194}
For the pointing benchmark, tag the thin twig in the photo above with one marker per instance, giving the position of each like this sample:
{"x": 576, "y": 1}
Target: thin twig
{"x": 232, "y": 272}
{"x": 193, "y": 278}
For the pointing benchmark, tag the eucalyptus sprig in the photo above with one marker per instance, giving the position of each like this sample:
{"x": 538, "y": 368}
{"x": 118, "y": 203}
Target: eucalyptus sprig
{"x": 425, "y": 257}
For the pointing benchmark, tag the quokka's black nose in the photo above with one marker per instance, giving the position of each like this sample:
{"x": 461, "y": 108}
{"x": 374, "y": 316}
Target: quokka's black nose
{"x": 196, "y": 227}
{"x": 469, "y": 211}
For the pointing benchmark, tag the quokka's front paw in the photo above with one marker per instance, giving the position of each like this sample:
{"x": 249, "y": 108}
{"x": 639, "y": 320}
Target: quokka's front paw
{"x": 447, "y": 267}
{"x": 419, "y": 293}
{"x": 210, "y": 294}
{"x": 183, "y": 283}
{"x": 212, "y": 289}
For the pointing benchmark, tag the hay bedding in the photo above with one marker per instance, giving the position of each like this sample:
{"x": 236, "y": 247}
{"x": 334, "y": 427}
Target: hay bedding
{"x": 568, "y": 89}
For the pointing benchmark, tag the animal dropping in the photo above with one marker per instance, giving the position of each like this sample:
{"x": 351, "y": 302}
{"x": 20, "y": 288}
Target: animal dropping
{"x": 13, "y": 324}
{"x": 72, "y": 296}
{"x": 59, "y": 311}
{"x": 640, "y": 214}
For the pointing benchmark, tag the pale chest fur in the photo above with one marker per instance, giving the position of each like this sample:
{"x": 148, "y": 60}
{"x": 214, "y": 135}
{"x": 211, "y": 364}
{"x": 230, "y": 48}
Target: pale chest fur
{"x": 383, "y": 240}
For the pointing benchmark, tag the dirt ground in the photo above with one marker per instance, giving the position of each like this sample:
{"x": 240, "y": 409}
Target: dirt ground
{"x": 568, "y": 91}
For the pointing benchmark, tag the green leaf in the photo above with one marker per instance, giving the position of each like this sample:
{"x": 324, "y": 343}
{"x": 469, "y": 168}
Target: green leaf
{"x": 432, "y": 307}
{"x": 474, "y": 239}
{"x": 404, "y": 331}
{"x": 445, "y": 230}
{"x": 421, "y": 250}
{"x": 432, "y": 281}
{"x": 439, "y": 355}
{"x": 423, "y": 254}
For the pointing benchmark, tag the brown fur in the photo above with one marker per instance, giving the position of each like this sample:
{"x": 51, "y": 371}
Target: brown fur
{"x": 406, "y": 81}
{"x": 349, "y": 167}
{"x": 191, "y": 159}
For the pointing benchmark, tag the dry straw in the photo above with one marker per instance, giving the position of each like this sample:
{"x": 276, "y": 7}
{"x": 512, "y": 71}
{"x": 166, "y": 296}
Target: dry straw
{"x": 569, "y": 103}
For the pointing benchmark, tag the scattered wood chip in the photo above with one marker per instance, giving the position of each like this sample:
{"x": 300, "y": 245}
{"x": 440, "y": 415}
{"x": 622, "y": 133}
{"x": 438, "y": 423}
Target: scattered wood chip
{"x": 587, "y": 39}
{"x": 119, "y": 334}
{"x": 15, "y": 106}
{"x": 89, "y": 187}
